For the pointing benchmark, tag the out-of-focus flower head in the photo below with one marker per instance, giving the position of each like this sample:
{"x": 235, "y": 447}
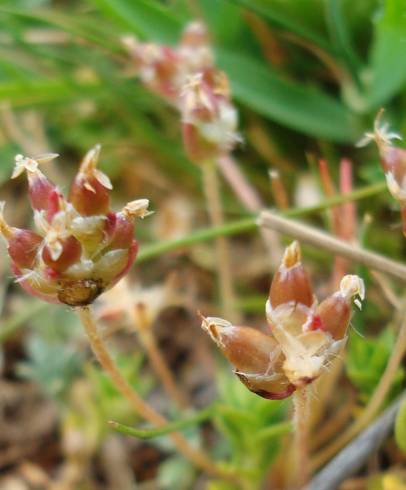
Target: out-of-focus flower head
{"x": 393, "y": 161}
{"x": 209, "y": 120}
{"x": 133, "y": 306}
{"x": 186, "y": 76}
{"x": 304, "y": 336}
{"x": 165, "y": 69}
{"x": 80, "y": 247}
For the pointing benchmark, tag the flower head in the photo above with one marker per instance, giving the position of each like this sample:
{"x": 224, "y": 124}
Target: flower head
{"x": 80, "y": 247}
{"x": 304, "y": 336}
{"x": 186, "y": 76}
{"x": 393, "y": 161}
{"x": 209, "y": 120}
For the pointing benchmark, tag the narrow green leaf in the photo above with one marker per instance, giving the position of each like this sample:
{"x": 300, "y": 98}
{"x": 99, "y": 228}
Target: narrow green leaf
{"x": 166, "y": 429}
{"x": 145, "y": 18}
{"x": 31, "y": 92}
{"x": 340, "y": 34}
{"x": 400, "y": 428}
{"x": 387, "y": 59}
{"x": 297, "y": 106}
{"x": 281, "y": 19}
{"x": 273, "y": 431}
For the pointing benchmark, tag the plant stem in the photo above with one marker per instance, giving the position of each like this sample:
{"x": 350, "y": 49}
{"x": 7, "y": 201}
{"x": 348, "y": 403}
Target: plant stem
{"x": 250, "y": 224}
{"x": 301, "y": 443}
{"x": 374, "y": 403}
{"x": 143, "y": 328}
{"x": 250, "y": 198}
{"x": 325, "y": 241}
{"x": 213, "y": 201}
{"x": 192, "y": 421}
{"x": 144, "y": 410}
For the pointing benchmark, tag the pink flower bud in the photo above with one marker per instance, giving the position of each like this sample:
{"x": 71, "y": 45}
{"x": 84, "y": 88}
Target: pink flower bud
{"x": 291, "y": 281}
{"x": 43, "y": 194}
{"x": 209, "y": 120}
{"x": 335, "y": 311}
{"x": 158, "y": 67}
{"x": 22, "y": 245}
{"x": 90, "y": 189}
{"x": 68, "y": 253}
{"x": 256, "y": 357}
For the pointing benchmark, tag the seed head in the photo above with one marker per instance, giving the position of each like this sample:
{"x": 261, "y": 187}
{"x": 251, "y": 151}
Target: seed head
{"x": 304, "y": 337}
{"x": 81, "y": 247}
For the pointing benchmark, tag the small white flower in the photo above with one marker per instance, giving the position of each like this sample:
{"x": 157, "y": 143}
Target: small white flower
{"x": 381, "y": 133}
{"x": 30, "y": 165}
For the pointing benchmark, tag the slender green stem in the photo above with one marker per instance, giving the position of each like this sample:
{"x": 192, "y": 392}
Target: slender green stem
{"x": 249, "y": 224}
{"x": 166, "y": 429}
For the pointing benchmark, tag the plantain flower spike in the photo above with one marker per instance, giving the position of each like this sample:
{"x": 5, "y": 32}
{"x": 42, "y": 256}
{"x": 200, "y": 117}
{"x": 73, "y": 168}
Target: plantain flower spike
{"x": 80, "y": 247}
{"x": 304, "y": 336}
{"x": 393, "y": 161}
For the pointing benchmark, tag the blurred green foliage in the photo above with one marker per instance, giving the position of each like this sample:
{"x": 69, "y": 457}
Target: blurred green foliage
{"x": 253, "y": 428}
{"x": 366, "y": 361}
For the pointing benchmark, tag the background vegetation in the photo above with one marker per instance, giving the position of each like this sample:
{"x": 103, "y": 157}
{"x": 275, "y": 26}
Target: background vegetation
{"x": 308, "y": 77}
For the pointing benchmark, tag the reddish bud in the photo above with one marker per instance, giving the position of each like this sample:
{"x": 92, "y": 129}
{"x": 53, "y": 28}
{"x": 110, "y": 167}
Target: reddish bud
{"x": 291, "y": 281}
{"x": 69, "y": 252}
{"x": 123, "y": 233}
{"x": 40, "y": 189}
{"x": 256, "y": 357}
{"x": 23, "y": 245}
{"x": 335, "y": 311}
{"x": 90, "y": 189}
{"x": 23, "y": 248}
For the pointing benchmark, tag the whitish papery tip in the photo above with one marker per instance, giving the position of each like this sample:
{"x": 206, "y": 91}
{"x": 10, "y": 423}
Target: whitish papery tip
{"x": 351, "y": 286}
{"x": 137, "y": 209}
{"x": 381, "y": 133}
{"x": 292, "y": 255}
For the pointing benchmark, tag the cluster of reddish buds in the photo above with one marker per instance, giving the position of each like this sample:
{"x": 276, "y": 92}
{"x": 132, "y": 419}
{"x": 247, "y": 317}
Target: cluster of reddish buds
{"x": 304, "y": 336}
{"x": 393, "y": 161}
{"x": 187, "y": 78}
{"x": 81, "y": 247}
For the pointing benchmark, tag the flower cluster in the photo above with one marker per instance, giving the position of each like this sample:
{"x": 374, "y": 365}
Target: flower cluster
{"x": 186, "y": 76}
{"x": 80, "y": 247}
{"x": 304, "y": 336}
{"x": 393, "y": 161}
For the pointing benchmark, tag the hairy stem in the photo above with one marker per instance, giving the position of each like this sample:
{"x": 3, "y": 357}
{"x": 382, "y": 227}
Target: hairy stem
{"x": 213, "y": 201}
{"x": 144, "y": 410}
{"x": 301, "y": 437}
